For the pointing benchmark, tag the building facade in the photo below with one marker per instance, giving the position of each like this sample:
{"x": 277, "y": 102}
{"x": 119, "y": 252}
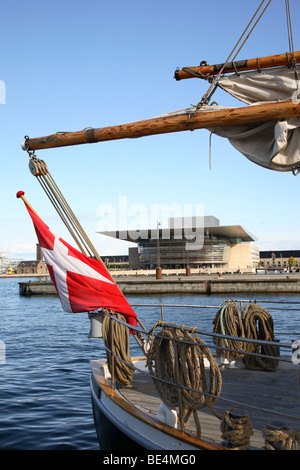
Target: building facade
{"x": 280, "y": 259}
{"x": 32, "y": 267}
{"x": 36, "y": 266}
{"x": 194, "y": 243}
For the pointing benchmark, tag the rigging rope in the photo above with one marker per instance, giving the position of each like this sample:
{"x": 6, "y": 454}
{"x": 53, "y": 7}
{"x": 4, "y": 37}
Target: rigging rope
{"x": 290, "y": 37}
{"x": 40, "y": 170}
{"x": 206, "y": 98}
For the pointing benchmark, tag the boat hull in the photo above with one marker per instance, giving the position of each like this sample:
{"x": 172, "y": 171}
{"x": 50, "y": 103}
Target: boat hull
{"x": 110, "y": 437}
{"x": 120, "y": 425}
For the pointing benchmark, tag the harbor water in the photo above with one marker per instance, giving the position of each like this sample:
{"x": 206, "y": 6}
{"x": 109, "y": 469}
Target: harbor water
{"x": 45, "y": 358}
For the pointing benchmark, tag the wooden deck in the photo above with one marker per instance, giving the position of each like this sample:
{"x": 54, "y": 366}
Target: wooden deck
{"x": 274, "y": 391}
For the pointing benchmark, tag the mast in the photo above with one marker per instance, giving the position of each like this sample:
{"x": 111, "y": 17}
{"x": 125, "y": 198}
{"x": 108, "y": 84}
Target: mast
{"x": 289, "y": 59}
{"x": 169, "y": 124}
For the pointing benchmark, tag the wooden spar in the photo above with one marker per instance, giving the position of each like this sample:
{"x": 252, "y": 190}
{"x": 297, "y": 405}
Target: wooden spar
{"x": 239, "y": 66}
{"x": 164, "y": 125}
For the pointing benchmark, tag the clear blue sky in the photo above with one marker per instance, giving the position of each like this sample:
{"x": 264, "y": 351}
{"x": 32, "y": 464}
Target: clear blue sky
{"x": 68, "y": 65}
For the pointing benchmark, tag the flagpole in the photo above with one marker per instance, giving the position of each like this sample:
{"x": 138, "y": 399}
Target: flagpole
{"x": 20, "y": 195}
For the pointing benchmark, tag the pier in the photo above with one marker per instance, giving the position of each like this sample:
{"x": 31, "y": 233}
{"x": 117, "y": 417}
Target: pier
{"x": 131, "y": 284}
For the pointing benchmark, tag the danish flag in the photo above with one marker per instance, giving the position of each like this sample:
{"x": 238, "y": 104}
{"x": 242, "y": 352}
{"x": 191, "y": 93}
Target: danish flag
{"x": 83, "y": 284}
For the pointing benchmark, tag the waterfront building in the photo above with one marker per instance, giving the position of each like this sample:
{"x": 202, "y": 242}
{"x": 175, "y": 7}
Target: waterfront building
{"x": 280, "y": 259}
{"x": 195, "y": 242}
{"x": 8, "y": 265}
{"x": 36, "y": 266}
{"x": 3, "y": 262}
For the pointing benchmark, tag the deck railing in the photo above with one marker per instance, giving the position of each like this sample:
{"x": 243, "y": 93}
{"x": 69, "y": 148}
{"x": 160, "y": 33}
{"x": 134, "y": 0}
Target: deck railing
{"x": 291, "y": 357}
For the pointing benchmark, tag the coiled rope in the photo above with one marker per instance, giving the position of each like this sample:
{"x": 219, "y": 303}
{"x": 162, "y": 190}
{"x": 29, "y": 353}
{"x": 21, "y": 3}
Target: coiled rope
{"x": 258, "y": 324}
{"x": 175, "y": 344}
{"x": 255, "y": 323}
{"x": 228, "y": 322}
{"x": 119, "y": 347}
{"x": 280, "y": 438}
{"x": 236, "y": 430}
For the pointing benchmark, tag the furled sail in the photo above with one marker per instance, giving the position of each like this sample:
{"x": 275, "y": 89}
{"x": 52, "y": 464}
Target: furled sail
{"x": 273, "y": 144}
{"x": 266, "y": 131}
{"x": 274, "y": 84}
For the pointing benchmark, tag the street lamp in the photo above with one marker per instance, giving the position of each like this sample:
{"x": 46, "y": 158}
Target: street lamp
{"x": 158, "y": 268}
{"x": 158, "y": 250}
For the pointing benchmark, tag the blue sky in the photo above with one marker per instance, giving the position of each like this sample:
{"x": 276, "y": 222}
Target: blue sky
{"x": 69, "y": 65}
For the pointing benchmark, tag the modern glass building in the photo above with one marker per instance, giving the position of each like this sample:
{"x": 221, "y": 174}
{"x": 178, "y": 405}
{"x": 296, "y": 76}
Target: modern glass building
{"x": 196, "y": 243}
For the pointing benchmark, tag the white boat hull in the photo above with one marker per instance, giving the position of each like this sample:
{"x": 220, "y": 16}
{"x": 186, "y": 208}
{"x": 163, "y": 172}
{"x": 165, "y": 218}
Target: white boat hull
{"x": 120, "y": 426}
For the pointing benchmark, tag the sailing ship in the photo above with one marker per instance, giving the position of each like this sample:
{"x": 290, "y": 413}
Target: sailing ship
{"x": 178, "y": 394}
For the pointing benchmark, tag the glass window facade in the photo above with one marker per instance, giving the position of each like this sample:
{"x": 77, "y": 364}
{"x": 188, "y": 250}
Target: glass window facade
{"x": 180, "y": 253}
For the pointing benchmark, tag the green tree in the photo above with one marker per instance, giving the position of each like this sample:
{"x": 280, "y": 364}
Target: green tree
{"x": 292, "y": 261}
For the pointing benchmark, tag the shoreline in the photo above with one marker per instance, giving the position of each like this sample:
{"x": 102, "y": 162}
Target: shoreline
{"x": 193, "y": 284}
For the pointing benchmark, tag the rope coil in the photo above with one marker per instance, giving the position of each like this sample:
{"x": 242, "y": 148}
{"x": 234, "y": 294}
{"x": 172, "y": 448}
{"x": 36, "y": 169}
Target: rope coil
{"x": 119, "y": 348}
{"x": 258, "y": 324}
{"x": 228, "y": 322}
{"x": 236, "y": 430}
{"x": 281, "y": 438}
{"x": 178, "y": 345}
{"x": 255, "y": 323}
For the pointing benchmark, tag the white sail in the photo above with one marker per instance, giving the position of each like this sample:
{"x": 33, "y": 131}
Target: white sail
{"x": 275, "y": 144}
{"x": 267, "y": 85}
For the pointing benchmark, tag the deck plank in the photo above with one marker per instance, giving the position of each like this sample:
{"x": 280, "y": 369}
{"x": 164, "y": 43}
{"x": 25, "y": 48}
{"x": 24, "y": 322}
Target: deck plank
{"x": 276, "y": 391}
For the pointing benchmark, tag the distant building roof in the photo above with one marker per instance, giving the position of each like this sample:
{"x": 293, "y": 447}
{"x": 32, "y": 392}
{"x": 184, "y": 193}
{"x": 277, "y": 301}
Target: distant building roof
{"x": 279, "y": 253}
{"x": 27, "y": 263}
{"x": 232, "y": 232}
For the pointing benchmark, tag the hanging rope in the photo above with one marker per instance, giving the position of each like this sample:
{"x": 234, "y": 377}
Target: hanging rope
{"x": 119, "y": 346}
{"x": 174, "y": 360}
{"x": 228, "y": 322}
{"x": 280, "y": 438}
{"x": 258, "y": 324}
{"x": 236, "y": 430}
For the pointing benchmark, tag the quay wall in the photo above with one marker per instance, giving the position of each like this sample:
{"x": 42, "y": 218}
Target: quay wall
{"x": 130, "y": 285}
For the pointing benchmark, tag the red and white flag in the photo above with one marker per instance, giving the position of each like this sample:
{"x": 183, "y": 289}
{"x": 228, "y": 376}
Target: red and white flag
{"x": 82, "y": 283}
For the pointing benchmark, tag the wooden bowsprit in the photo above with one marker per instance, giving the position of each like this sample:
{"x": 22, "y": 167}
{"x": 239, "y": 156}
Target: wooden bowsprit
{"x": 169, "y": 124}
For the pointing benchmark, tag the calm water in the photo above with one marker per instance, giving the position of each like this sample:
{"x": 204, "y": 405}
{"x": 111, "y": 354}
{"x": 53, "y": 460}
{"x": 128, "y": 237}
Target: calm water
{"x": 44, "y": 370}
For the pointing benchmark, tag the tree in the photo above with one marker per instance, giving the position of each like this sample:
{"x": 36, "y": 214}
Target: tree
{"x": 292, "y": 261}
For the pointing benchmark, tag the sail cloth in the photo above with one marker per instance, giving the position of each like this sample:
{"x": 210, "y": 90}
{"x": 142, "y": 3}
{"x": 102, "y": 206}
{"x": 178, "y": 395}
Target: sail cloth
{"x": 271, "y": 144}
{"x": 274, "y": 84}
{"x": 275, "y": 144}
{"x": 82, "y": 283}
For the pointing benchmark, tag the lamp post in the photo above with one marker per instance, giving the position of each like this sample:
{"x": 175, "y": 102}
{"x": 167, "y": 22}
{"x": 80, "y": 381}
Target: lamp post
{"x": 158, "y": 268}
